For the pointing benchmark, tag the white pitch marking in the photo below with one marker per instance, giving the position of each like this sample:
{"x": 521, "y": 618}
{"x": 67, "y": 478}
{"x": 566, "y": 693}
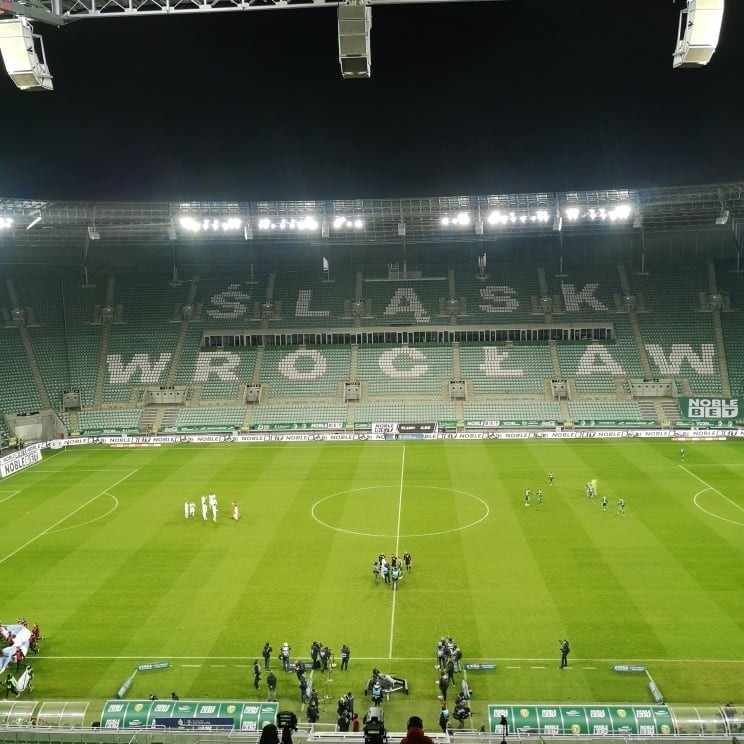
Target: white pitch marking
{"x": 60, "y": 521}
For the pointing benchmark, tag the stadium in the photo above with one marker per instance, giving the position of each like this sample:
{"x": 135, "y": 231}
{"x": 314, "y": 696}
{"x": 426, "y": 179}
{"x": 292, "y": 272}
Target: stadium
{"x": 285, "y": 454}
{"x": 379, "y": 377}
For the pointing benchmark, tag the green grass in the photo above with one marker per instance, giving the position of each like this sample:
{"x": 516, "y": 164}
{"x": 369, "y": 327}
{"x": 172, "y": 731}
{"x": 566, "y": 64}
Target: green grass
{"x": 95, "y": 549}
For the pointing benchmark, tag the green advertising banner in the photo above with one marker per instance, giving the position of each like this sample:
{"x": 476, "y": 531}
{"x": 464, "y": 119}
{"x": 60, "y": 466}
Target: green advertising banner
{"x": 711, "y": 410}
{"x": 187, "y": 714}
{"x": 588, "y": 720}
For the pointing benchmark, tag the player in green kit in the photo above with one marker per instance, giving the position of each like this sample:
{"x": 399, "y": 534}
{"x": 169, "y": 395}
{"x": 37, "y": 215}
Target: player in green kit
{"x": 551, "y": 477}
{"x": 681, "y": 453}
{"x": 527, "y": 496}
{"x": 539, "y": 496}
{"x": 604, "y": 503}
{"x": 621, "y": 507}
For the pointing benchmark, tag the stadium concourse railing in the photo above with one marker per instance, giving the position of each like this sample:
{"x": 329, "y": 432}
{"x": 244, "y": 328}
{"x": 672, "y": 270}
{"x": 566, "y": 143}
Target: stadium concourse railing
{"x": 161, "y": 736}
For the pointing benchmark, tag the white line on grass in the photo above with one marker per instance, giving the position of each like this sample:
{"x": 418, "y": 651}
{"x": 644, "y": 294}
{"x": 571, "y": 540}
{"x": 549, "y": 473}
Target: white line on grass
{"x": 60, "y": 521}
{"x": 8, "y": 498}
{"x": 623, "y": 660}
{"x": 397, "y": 544}
{"x": 715, "y": 490}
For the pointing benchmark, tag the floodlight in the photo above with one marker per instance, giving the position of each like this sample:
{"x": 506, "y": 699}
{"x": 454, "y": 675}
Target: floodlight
{"x": 698, "y": 32}
{"x": 354, "y": 26}
{"x": 723, "y": 217}
{"x": 542, "y": 215}
{"x": 23, "y": 54}
{"x": 6, "y": 223}
{"x": 93, "y": 234}
{"x": 572, "y": 214}
{"x": 401, "y": 229}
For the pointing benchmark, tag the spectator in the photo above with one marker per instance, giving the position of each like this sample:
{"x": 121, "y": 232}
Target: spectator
{"x": 415, "y": 733}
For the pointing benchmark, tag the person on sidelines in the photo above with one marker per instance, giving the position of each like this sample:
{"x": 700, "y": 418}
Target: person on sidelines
{"x": 204, "y": 507}
{"x": 527, "y": 497}
{"x": 256, "y": 673}
{"x": 271, "y": 685}
{"x": 11, "y": 686}
{"x": 266, "y": 653}
{"x": 235, "y": 511}
{"x": 284, "y": 653}
{"x": 551, "y": 478}
{"x": 345, "y": 656}
{"x": 407, "y": 560}
{"x": 213, "y": 505}
{"x": 376, "y": 571}
{"x": 444, "y": 718}
{"x": 185, "y": 509}
{"x": 565, "y": 650}
{"x": 681, "y": 453}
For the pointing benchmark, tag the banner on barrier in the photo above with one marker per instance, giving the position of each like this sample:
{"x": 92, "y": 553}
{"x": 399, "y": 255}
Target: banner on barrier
{"x": 19, "y": 460}
{"x": 236, "y": 714}
{"x": 575, "y": 720}
{"x": 709, "y": 409}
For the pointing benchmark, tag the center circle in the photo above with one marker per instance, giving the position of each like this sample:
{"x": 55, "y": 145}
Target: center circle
{"x": 436, "y": 510}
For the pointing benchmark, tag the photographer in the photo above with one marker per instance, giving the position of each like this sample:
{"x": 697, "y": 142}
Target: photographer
{"x": 565, "y": 650}
{"x": 461, "y": 712}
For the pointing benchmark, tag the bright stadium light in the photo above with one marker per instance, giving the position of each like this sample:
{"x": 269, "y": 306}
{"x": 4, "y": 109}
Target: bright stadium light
{"x": 341, "y": 222}
{"x": 572, "y": 214}
{"x": 191, "y": 224}
{"x": 462, "y": 219}
{"x": 23, "y": 54}
{"x": 6, "y": 223}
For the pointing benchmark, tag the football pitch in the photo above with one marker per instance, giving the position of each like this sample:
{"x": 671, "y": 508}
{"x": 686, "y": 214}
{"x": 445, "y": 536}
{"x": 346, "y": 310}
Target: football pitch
{"x": 96, "y": 549}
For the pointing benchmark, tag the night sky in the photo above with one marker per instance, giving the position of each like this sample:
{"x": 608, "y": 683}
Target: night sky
{"x": 465, "y": 98}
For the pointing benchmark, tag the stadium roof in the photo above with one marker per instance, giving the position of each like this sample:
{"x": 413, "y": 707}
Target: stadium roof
{"x": 50, "y": 224}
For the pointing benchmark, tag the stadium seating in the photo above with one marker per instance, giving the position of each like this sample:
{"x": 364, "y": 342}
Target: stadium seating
{"x": 392, "y": 371}
{"x": 442, "y": 413}
{"x": 512, "y": 411}
{"x": 506, "y": 369}
{"x": 18, "y": 392}
{"x": 505, "y": 296}
{"x": 149, "y": 340}
{"x": 219, "y": 374}
{"x": 621, "y": 411}
{"x": 329, "y": 416}
{"x": 308, "y": 301}
{"x": 305, "y": 372}
{"x": 217, "y": 419}
{"x": 112, "y": 421}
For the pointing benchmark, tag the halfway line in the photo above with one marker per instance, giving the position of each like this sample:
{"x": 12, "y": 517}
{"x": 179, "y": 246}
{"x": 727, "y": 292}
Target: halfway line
{"x": 397, "y": 545}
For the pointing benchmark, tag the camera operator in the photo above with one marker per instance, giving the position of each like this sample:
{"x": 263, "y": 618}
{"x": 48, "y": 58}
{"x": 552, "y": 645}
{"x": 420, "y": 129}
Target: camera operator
{"x": 565, "y": 650}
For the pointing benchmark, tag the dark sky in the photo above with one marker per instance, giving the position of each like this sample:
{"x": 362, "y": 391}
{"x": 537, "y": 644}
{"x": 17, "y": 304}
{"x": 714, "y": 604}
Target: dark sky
{"x": 481, "y": 97}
